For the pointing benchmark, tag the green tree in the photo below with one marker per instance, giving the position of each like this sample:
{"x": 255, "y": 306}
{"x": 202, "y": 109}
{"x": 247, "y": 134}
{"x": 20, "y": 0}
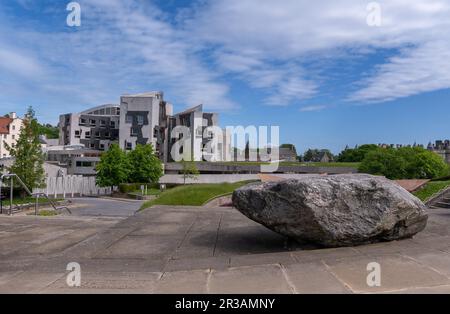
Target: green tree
{"x": 310, "y": 154}
{"x": 384, "y": 162}
{"x": 28, "y": 156}
{"x": 356, "y": 154}
{"x": 113, "y": 168}
{"x": 404, "y": 163}
{"x": 50, "y": 131}
{"x": 189, "y": 169}
{"x": 145, "y": 165}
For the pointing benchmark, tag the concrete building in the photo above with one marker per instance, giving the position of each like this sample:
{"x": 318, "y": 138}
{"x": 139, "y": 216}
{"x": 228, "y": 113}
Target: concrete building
{"x": 96, "y": 128}
{"x": 143, "y": 120}
{"x": 442, "y": 148}
{"x": 139, "y": 119}
{"x": 10, "y": 127}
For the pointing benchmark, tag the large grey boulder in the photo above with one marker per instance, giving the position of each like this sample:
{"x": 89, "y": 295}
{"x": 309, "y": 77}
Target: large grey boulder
{"x": 333, "y": 211}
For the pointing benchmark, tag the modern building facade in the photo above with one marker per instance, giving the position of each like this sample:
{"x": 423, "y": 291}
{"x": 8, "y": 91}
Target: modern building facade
{"x": 143, "y": 120}
{"x": 96, "y": 128}
{"x": 10, "y": 127}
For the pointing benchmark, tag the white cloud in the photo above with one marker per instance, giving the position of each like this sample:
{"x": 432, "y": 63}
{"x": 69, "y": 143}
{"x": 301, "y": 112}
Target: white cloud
{"x": 283, "y": 32}
{"x": 313, "y": 108}
{"x": 16, "y": 62}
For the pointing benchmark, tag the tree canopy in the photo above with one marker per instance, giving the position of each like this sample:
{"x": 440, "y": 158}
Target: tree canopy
{"x": 113, "y": 168}
{"x": 404, "y": 163}
{"x": 145, "y": 167}
{"x": 27, "y": 153}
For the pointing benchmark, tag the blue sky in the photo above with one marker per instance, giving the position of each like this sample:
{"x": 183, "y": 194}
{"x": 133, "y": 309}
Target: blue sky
{"x": 317, "y": 70}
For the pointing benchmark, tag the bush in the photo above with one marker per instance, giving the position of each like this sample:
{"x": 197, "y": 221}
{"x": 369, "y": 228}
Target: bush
{"x": 132, "y": 187}
{"x": 404, "y": 163}
{"x": 357, "y": 154}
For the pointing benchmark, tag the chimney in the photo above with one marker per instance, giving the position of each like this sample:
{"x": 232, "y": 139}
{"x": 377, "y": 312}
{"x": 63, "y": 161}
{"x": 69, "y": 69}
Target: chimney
{"x": 13, "y": 115}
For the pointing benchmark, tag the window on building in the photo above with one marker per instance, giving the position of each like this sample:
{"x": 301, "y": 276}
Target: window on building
{"x": 102, "y": 146}
{"x": 13, "y": 137}
{"x": 113, "y": 124}
{"x": 129, "y": 119}
{"x": 133, "y": 132}
{"x": 87, "y": 134}
{"x": 92, "y": 145}
{"x": 84, "y": 164}
{"x": 140, "y": 120}
{"x": 128, "y": 146}
{"x": 97, "y": 134}
{"x": 82, "y": 121}
{"x": 107, "y": 134}
{"x": 102, "y": 122}
{"x": 77, "y": 134}
{"x": 92, "y": 121}
{"x": 14, "y": 127}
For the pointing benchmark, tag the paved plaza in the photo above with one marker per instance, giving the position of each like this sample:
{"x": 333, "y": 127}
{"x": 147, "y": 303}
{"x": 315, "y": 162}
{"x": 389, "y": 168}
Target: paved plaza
{"x": 168, "y": 249}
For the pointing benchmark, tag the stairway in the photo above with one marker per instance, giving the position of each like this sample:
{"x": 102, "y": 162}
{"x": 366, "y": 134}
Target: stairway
{"x": 440, "y": 201}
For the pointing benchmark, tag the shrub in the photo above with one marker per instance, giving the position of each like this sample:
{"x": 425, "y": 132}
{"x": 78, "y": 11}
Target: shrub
{"x": 404, "y": 163}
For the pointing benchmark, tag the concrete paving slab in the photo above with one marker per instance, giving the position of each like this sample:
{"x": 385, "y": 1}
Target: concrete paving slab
{"x": 397, "y": 273}
{"x": 29, "y": 282}
{"x": 314, "y": 278}
{"x": 105, "y": 282}
{"x": 217, "y": 263}
{"x": 183, "y": 282}
{"x": 284, "y": 258}
{"x": 268, "y": 279}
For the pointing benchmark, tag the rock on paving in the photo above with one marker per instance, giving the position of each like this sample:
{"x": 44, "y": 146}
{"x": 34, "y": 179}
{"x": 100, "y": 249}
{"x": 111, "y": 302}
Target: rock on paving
{"x": 168, "y": 249}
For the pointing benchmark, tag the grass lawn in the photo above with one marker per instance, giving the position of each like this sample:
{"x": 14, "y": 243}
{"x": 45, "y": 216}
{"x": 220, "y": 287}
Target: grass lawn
{"x": 193, "y": 195}
{"x": 27, "y": 200}
{"x": 149, "y": 192}
{"x": 431, "y": 188}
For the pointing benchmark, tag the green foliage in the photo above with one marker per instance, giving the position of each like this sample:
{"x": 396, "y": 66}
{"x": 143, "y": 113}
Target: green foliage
{"x": 113, "y": 168}
{"x": 145, "y": 166}
{"x": 189, "y": 170}
{"x": 27, "y": 153}
{"x": 50, "y": 131}
{"x": 404, "y": 163}
{"x": 314, "y": 155}
{"x": 356, "y": 154}
{"x": 133, "y": 187}
{"x": 431, "y": 188}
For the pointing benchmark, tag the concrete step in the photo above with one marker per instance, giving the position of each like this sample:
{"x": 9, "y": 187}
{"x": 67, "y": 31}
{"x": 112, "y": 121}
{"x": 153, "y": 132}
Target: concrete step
{"x": 442, "y": 204}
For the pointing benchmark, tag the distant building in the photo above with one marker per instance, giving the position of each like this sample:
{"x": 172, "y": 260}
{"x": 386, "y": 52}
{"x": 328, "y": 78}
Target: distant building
{"x": 442, "y": 148}
{"x": 287, "y": 154}
{"x": 10, "y": 127}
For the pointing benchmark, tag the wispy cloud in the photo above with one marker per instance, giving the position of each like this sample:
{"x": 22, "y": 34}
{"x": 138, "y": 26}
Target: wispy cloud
{"x": 313, "y": 108}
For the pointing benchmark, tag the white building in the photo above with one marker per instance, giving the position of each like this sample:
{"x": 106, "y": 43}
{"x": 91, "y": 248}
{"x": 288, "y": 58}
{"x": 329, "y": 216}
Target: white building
{"x": 10, "y": 127}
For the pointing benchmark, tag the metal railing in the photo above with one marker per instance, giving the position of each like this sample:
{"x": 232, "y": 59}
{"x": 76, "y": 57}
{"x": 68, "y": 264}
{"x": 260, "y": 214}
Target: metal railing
{"x": 11, "y": 176}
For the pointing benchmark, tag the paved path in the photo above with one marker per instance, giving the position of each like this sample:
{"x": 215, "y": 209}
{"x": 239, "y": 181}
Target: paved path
{"x": 104, "y": 207}
{"x": 213, "y": 250}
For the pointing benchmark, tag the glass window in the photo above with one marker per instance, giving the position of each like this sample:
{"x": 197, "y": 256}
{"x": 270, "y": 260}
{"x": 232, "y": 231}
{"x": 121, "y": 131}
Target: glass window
{"x": 129, "y": 119}
{"x": 140, "y": 120}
